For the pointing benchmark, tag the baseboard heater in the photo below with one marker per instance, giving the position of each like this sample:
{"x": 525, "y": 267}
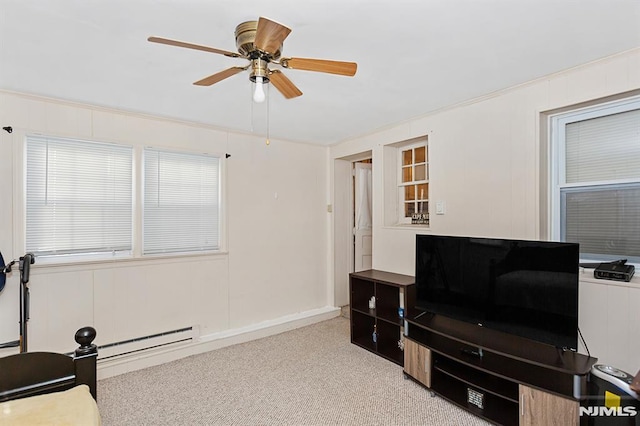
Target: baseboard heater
{"x": 144, "y": 343}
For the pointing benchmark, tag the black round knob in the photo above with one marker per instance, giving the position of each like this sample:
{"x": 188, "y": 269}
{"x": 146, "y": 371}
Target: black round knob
{"x": 85, "y": 336}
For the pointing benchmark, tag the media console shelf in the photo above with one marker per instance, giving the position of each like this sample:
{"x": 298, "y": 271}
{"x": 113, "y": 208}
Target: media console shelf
{"x": 503, "y": 378}
{"x": 390, "y": 292}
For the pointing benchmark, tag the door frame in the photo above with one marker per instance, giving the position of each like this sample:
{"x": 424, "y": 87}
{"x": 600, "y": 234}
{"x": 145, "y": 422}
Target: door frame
{"x": 343, "y": 212}
{"x": 358, "y": 234}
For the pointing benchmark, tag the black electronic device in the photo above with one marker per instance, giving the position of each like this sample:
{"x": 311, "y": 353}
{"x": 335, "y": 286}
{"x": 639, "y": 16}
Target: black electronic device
{"x": 521, "y": 287}
{"x": 614, "y": 271}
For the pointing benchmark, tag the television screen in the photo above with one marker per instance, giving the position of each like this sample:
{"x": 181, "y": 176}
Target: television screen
{"x": 526, "y": 288}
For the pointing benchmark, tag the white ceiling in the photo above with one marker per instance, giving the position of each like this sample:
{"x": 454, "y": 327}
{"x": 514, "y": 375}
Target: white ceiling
{"x": 414, "y": 56}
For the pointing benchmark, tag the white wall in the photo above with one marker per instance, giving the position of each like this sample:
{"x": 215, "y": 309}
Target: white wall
{"x": 274, "y": 261}
{"x": 485, "y": 165}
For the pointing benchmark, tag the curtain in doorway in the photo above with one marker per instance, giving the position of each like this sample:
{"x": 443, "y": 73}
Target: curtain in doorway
{"x": 363, "y": 195}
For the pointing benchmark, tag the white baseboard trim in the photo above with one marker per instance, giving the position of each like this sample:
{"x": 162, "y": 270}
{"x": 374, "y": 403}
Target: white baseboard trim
{"x": 137, "y": 361}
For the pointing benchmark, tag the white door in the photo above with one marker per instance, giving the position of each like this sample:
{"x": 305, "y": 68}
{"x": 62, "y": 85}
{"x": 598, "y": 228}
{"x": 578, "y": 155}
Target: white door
{"x": 362, "y": 230}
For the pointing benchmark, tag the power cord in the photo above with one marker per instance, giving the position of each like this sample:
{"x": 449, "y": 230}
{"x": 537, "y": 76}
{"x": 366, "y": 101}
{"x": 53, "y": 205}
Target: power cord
{"x": 584, "y": 342}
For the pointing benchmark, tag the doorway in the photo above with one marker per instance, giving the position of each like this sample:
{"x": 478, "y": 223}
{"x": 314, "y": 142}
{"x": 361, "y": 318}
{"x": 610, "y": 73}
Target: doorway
{"x": 362, "y": 216}
{"x": 353, "y": 224}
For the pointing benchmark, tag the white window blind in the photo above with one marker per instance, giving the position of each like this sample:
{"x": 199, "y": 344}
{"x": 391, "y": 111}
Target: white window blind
{"x": 181, "y": 202}
{"x": 598, "y": 184}
{"x": 603, "y": 148}
{"x": 78, "y": 197}
{"x": 605, "y": 220}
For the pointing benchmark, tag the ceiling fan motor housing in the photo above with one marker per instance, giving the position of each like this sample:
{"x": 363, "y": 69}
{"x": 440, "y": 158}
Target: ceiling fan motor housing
{"x": 245, "y": 37}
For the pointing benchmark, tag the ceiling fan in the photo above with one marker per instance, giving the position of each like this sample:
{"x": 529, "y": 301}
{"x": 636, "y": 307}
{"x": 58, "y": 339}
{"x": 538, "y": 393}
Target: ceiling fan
{"x": 261, "y": 43}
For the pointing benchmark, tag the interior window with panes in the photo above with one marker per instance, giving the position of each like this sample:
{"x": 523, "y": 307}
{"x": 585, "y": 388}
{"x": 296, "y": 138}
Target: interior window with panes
{"x": 414, "y": 184}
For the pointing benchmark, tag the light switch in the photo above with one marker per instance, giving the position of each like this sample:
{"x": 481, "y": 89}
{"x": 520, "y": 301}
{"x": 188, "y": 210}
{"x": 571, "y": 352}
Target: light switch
{"x": 440, "y": 207}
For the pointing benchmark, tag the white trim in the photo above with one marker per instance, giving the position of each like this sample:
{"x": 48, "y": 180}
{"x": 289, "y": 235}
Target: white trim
{"x": 409, "y": 145}
{"x": 135, "y": 254}
{"x": 67, "y": 207}
{"x": 160, "y": 246}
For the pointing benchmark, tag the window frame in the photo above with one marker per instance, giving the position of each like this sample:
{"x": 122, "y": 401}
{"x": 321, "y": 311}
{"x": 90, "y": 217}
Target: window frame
{"x": 220, "y": 206}
{"x": 80, "y": 256}
{"x": 557, "y": 183}
{"x": 401, "y": 186}
{"x": 137, "y": 169}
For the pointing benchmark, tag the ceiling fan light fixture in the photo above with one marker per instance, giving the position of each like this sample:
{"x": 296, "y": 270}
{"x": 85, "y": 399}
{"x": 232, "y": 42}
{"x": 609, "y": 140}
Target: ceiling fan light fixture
{"x": 259, "y": 75}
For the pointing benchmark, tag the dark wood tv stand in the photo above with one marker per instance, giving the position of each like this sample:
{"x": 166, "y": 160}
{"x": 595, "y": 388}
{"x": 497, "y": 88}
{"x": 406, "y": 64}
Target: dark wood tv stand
{"x": 503, "y": 378}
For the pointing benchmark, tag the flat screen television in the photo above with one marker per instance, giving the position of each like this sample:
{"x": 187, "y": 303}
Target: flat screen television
{"x": 526, "y": 288}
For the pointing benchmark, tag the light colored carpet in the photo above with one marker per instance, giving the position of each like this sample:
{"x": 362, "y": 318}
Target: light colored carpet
{"x": 308, "y": 376}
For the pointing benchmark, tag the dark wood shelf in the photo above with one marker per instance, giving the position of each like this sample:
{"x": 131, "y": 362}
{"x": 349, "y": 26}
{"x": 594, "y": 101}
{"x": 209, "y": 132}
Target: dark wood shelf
{"x": 388, "y": 278}
{"x": 389, "y": 336}
{"x": 467, "y": 358}
{"x": 509, "y": 345}
{"x": 390, "y": 291}
{"x": 370, "y": 312}
{"x": 361, "y": 291}
{"x": 477, "y": 378}
{"x": 362, "y": 327}
{"x": 495, "y": 409}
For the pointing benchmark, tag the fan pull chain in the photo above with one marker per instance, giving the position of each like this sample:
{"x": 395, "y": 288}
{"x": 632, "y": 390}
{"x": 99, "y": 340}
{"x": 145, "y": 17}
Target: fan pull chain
{"x": 268, "y": 104}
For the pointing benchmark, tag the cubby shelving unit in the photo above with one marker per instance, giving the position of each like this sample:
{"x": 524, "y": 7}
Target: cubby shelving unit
{"x": 390, "y": 291}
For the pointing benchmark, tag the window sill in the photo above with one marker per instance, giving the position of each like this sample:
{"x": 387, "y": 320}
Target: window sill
{"x": 407, "y": 226}
{"x": 586, "y": 275}
{"x": 122, "y": 261}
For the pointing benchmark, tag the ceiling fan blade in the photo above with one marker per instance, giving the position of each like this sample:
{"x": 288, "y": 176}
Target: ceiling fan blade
{"x": 193, "y": 46}
{"x": 213, "y": 79}
{"x": 284, "y": 85}
{"x": 320, "y": 65}
{"x": 270, "y": 35}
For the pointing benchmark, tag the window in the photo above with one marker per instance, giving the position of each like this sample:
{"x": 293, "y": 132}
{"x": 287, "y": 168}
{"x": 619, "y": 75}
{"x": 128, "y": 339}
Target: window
{"x": 78, "y": 197}
{"x": 181, "y": 202}
{"x": 596, "y": 180}
{"x": 413, "y": 185}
